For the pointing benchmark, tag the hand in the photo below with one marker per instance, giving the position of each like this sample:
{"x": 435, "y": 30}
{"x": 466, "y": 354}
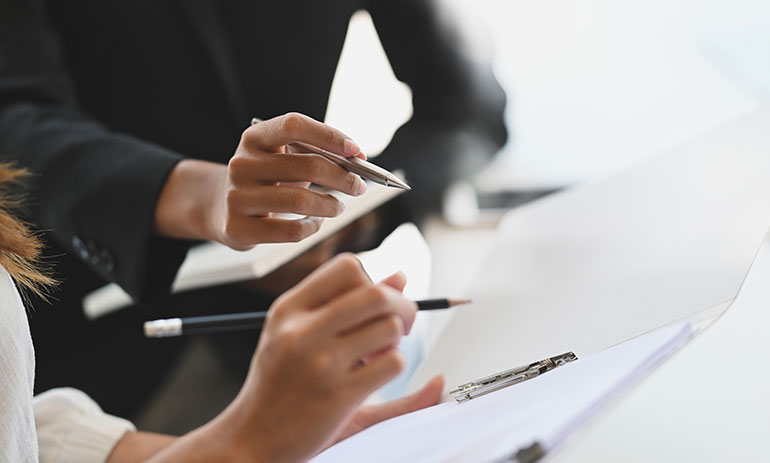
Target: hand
{"x": 369, "y": 415}
{"x": 234, "y": 204}
{"x": 326, "y": 345}
{"x": 355, "y": 235}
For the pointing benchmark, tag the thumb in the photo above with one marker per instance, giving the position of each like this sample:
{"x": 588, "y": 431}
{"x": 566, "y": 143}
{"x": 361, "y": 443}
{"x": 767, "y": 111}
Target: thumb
{"x": 428, "y": 395}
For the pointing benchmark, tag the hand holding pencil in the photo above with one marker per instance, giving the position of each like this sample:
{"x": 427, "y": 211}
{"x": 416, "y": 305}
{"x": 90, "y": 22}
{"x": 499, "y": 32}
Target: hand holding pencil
{"x": 326, "y": 345}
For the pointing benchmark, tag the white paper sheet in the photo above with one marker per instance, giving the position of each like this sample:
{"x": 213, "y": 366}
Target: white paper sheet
{"x": 588, "y": 268}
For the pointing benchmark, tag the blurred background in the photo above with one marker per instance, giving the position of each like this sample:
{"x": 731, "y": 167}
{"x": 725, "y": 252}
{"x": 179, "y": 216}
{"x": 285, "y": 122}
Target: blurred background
{"x": 593, "y": 86}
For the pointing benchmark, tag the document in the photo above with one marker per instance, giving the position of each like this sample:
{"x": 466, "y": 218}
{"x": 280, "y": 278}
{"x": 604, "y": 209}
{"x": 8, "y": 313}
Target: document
{"x": 543, "y": 411}
{"x": 591, "y": 267}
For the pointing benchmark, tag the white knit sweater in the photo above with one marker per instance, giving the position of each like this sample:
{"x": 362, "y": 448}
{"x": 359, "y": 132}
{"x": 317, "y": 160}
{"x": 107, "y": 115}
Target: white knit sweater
{"x": 61, "y": 425}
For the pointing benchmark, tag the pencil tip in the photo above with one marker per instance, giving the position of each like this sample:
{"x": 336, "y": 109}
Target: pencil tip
{"x": 454, "y": 302}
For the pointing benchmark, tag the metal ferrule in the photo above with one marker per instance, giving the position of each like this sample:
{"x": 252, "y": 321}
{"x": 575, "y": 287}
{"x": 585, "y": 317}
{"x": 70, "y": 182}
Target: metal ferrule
{"x": 163, "y": 328}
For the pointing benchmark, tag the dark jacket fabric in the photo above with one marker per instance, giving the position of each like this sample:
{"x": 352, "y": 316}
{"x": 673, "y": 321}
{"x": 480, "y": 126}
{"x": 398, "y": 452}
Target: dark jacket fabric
{"x": 100, "y": 99}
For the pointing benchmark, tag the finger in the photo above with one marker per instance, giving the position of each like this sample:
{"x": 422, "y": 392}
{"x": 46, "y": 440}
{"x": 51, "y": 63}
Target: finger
{"x": 363, "y": 304}
{"x": 280, "y": 199}
{"x": 331, "y": 280}
{"x": 294, "y": 149}
{"x": 396, "y": 281}
{"x": 381, "y": 370}
{"x": 427, "y": 396}
{"x": 376, "y": 336}
{"x": 295, "y": 184}
{"x": 369, "y": 415}
{"x": 270, "y": 168}
{"x": 294, "y": 127}
{"x": 249, "y": 231}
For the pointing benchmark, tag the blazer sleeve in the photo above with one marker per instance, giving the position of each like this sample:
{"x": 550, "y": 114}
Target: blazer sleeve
{"x": 457, "y": 124}
{"x": 93, "y": 188}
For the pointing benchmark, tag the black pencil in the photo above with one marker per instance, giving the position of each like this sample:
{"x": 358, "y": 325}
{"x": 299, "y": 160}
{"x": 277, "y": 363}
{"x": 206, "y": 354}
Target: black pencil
{"x": 168, "y": 327}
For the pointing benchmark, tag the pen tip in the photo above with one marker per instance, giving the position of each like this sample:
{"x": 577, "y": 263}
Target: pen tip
{"x": 398, "y": 183}
{"x": 454, "y": 302}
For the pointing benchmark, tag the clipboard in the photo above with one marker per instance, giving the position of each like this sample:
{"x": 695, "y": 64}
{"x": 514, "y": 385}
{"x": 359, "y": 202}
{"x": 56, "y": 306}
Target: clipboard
{"x": 590, "y": 268}
{"x": 517, "y": 424}
{"x": 489, "y": 384}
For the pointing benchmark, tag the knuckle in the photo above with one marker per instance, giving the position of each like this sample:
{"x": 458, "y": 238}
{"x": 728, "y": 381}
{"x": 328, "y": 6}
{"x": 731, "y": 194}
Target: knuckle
{"x": 280, "y": 305}
{"x": 352, "y": 183}
{"x": 283, "y": 308}
{"x": 396, "y": 361}
{"x": 232, "y": 198}
{"x": 393, "y": 327}
{"x": 295, "y": 232}
{"x": 378, "y": 295}
{"x": 231, "y": 229}
{"x": 337, "y": 205}
{"x": 270, "y": 317}
{"x": 313, "y": 227}
{"x": 323, "y": 362}
{"x": 248, "y": 135}
{"x": 331, "y": 136}
{"x": 236, "y": 163}
{"x": 349, "y": 265}
{"x": 327, "y": 205}
{"x": 292, "y": 122}
{"x": 290, "y": 333}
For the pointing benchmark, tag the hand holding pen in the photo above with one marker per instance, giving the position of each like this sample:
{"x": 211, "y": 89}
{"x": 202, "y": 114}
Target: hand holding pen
{"x": 355, "y": 164}
{"x": 235, "y": 204}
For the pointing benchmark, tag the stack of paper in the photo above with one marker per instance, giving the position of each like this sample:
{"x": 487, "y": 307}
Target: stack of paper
{"x": 545, "y": 410}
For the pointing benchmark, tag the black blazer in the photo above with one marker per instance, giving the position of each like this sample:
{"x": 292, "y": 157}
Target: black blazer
{"x": 99, "y": 100}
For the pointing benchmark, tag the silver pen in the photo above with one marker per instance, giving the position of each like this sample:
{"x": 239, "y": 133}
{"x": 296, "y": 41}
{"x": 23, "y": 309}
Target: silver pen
{"x": 364, "y": 169}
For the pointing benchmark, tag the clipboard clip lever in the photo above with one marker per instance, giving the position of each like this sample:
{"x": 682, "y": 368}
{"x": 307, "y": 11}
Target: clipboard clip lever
{"x": 487, "y": 384}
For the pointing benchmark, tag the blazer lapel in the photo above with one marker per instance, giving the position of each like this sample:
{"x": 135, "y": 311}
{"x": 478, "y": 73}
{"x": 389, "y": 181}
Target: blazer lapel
{"x": 207, "y": 23}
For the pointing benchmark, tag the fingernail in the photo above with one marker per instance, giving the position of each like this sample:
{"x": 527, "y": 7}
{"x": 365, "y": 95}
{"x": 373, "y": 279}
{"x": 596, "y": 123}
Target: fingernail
{"x": 341, "y": 208}
{"x": 362, "y": 156}
{"x": 351, "y": 148}
{"x": 361, "y": 187}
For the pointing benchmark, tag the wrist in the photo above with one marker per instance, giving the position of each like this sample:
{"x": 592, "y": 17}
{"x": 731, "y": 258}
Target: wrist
{"x": 186, "y": 206}
{"x": 222, "y": 440}
{"x": 238, "y": 427}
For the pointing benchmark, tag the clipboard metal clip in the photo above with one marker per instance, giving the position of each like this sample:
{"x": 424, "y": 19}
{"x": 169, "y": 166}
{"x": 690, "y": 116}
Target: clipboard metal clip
{"x": 492, "y": 383}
